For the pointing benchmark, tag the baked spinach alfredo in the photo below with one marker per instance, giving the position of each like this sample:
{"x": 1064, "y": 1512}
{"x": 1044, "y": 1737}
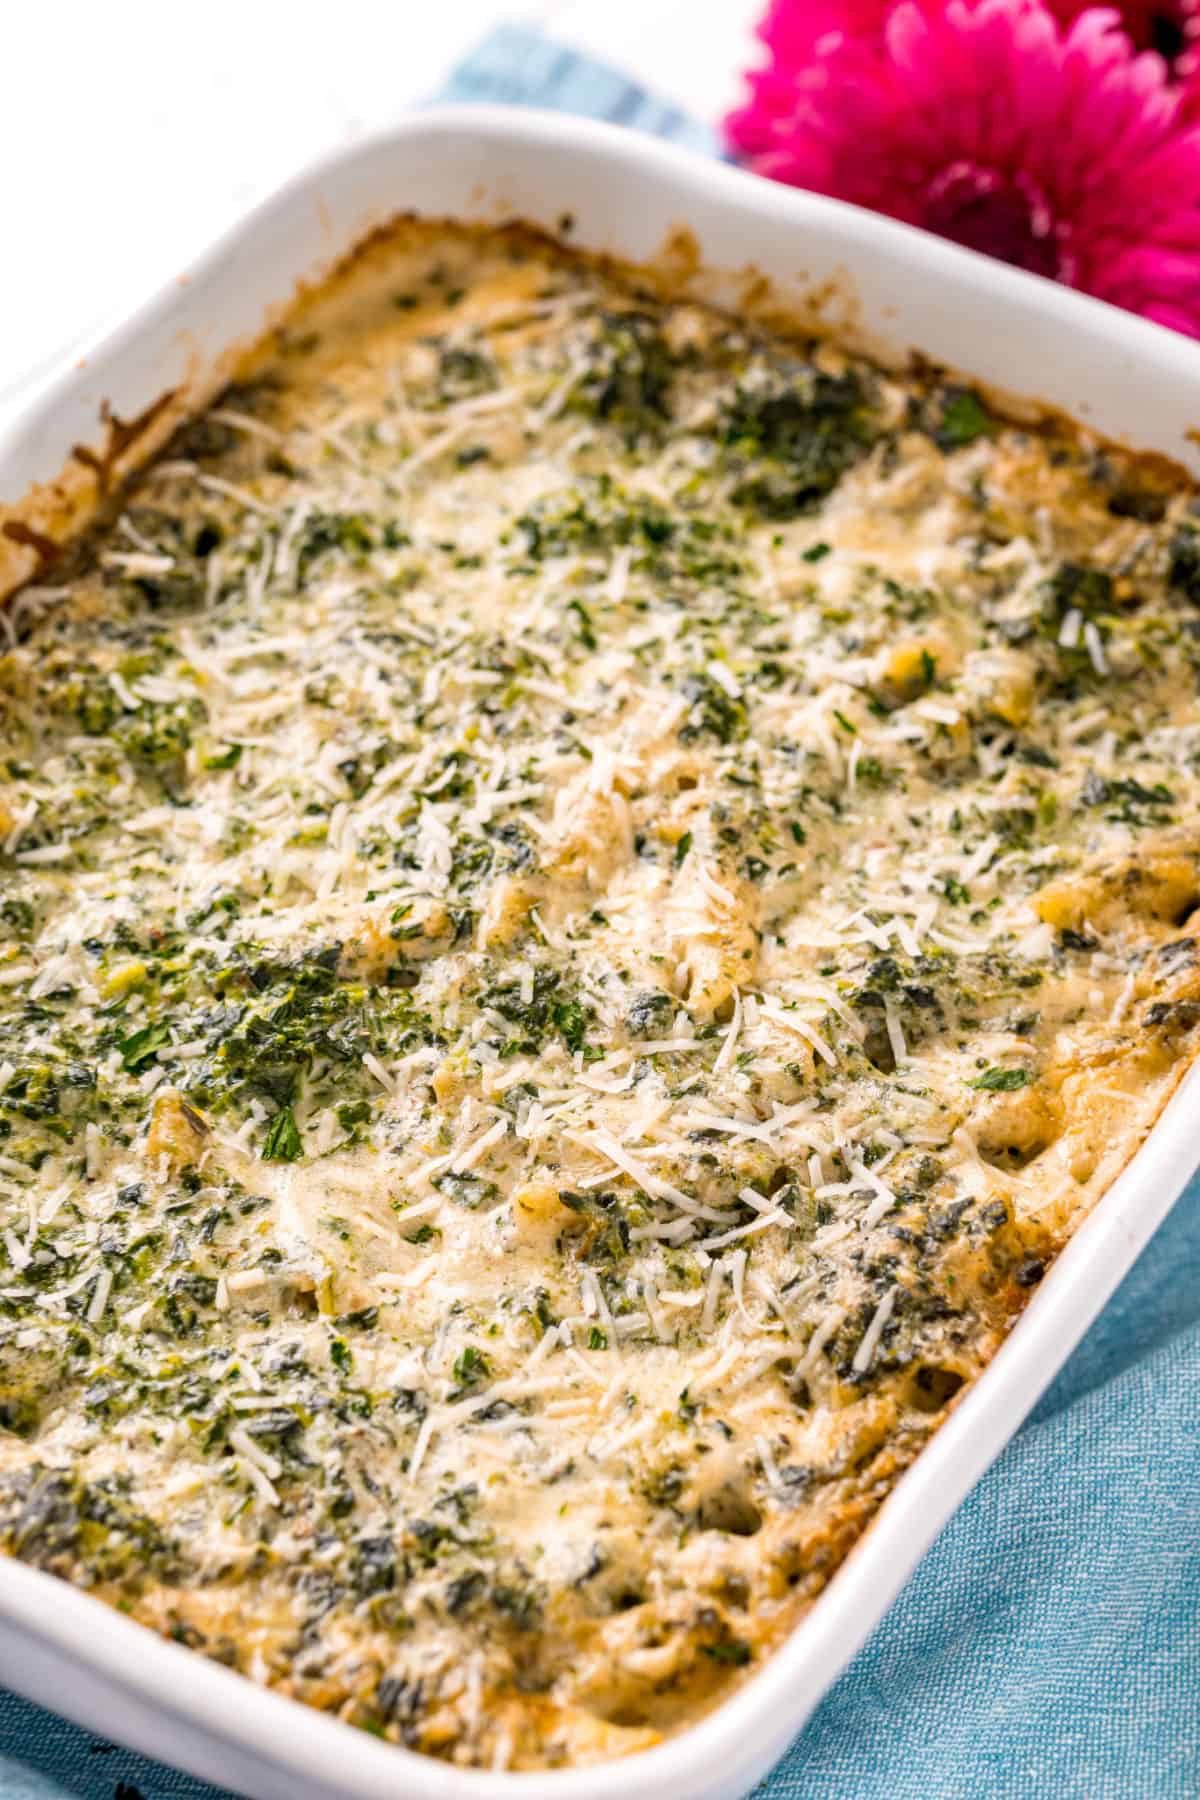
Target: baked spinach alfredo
{"x": 587, "y": 899}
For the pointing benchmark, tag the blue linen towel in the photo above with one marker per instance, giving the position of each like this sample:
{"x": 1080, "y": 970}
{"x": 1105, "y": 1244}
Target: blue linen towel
{"x": 1048, "y": 1647}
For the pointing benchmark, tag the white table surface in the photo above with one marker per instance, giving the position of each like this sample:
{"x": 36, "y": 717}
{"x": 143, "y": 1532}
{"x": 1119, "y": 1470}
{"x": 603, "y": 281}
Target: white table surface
{"x": 133, "y": 133}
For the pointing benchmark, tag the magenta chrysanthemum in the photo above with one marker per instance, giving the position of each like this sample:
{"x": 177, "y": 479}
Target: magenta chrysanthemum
{"x": 796, "y": 32}
{"x": 1064, "y": 152}
{"x": 1172, "y": 27}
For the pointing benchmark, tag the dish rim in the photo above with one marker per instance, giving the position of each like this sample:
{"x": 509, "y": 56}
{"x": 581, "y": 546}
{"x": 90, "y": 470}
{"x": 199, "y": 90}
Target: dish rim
{"x": 220, "y": 1721}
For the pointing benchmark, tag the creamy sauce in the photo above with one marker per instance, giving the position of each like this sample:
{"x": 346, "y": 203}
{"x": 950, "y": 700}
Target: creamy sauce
{"x": 587, "y": 900}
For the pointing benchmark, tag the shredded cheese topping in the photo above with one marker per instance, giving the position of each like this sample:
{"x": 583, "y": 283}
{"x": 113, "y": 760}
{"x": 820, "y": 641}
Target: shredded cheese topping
{"x": 589, "y": 896}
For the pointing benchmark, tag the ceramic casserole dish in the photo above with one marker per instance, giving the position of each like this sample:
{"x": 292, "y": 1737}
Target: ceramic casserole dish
{"x": 895, "y": 291}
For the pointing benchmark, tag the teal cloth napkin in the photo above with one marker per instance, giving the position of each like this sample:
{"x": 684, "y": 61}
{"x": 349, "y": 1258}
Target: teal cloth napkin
{"x": 1048, "y": 1647}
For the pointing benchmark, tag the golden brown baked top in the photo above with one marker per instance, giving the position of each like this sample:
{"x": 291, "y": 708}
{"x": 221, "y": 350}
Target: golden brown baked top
{"x": 587, "y": 898}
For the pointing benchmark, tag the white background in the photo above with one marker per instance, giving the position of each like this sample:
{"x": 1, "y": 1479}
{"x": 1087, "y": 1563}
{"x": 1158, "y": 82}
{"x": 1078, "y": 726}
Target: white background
{"x": 133, "y": 133}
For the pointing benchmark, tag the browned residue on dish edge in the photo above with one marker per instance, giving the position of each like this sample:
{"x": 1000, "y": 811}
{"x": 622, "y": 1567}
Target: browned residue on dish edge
{"x": 123, "y": 436}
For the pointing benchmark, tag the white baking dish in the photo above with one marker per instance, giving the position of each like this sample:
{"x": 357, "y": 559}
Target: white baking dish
{"x": 898, "y": 287}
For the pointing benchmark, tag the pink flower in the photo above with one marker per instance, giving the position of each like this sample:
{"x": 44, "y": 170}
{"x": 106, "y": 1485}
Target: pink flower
{"x": 1064, "y": 152}
{"x": 795, "y": 32}
{"x": 1172, "y": 27}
